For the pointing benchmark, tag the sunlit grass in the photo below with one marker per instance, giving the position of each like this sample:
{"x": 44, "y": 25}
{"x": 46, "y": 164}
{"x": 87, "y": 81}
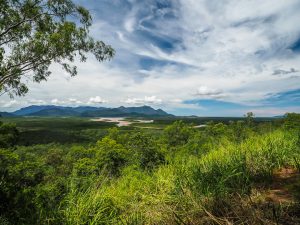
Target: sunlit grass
{"x": 182, "y": 191}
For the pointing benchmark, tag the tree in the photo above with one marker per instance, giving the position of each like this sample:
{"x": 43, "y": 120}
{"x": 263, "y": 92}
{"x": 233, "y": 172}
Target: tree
{"x": 8, "y": 135}
{"x": 177, "y": 134}
{"x": 145, "y": 150}
{"x": 249, "y": 118}
{"x": 216, "y": 130}
{"x": 36, "y": 33}
{"x": 111, "y": 156}
{"x": 292, "y": 121}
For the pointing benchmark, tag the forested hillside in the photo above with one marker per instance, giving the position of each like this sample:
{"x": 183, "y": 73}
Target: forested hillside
{"x": 86, "y": 111}
{"x": 241, "y": 172}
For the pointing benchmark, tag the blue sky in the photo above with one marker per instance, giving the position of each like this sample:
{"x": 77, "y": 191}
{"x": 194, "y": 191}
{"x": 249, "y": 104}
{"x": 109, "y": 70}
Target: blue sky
{"x": 188, "y": 57}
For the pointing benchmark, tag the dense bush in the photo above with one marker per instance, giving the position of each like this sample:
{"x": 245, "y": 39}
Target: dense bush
{"x": 8, "y": 135}
{"x": 138, "y": 177}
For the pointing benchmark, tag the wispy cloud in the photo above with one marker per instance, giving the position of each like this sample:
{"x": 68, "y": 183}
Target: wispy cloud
{"x": 96, "y": 100}
{"x": 235, "y": 51}
{"x": 284, "y": 72}
{"x": 152, "y": 100}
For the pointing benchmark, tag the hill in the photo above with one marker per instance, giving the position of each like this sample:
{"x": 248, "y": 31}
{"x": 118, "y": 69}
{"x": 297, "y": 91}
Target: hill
{"x": 127, "y": 112}
{"x": 55, "y": 112}
{"x": 51, "y": 110}
{"x": 6, "y": 114}
{"x": 87, "y": 111}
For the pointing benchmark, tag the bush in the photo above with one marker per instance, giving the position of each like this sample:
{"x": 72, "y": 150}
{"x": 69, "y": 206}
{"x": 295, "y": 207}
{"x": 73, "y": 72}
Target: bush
{"x": 145, "y": 151}
{"x": 187, "y": 176}
{"x": 111, "y": 156}
{"x": 8, "y": 135}
{"x": 177, "y": 134}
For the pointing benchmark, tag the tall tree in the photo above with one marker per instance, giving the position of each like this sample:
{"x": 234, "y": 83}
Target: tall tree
{"x": 249, "y": 118}
{"x": 36, "y": 33}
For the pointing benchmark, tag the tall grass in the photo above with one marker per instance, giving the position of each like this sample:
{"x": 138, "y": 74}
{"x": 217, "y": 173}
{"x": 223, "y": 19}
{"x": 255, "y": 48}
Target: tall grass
{"x": 88, "y": 207}
{"x": 185, "y": 189}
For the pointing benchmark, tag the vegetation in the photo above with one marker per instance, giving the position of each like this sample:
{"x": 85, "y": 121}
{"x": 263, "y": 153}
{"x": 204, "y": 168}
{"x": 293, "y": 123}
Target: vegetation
{"x": 75, "y": 171}
{"x": 36, "y": 33}
{"x": 223, "y": 173}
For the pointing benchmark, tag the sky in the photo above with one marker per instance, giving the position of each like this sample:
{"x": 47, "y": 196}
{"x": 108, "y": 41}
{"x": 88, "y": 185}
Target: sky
{"x": 187, "y": 57}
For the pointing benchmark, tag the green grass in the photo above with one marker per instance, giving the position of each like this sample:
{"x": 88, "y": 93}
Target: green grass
{"x": 199, "y": 176}
{"x": 68, "y": 130}
{"x": 185, "y": 190}
{"x": 40, "y": 130}
{"x": 67, "y": 123}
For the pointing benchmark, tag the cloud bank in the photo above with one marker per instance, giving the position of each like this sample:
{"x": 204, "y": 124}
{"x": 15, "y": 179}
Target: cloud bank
{"x": 184, "y": 54}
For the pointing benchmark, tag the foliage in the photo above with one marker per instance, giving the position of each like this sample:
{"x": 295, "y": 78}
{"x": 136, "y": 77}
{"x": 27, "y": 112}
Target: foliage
{"x": 35, "y": 33}
{"x": 177, "y": 134}
{"x": 145, "y": 150}
{"x": 8, "y": 135}
{"x": 181, "y": 175}
{"x": 249, "y": 118}
{"x": 110, "y": 155}
{"x": 292, "y": 121}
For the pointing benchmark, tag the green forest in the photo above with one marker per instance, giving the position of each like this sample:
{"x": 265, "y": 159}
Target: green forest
{"x": 231, "y": 172}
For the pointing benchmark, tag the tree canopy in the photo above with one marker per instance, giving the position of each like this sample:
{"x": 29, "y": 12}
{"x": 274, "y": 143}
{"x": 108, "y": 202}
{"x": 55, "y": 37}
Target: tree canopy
{"x": 35, "y": 33}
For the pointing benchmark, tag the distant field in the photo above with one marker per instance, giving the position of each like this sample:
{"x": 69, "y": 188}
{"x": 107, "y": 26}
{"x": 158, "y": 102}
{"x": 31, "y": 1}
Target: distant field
{"x": 68, "y": 130}
{"x": 201, "y": 120}
{"x": 41, "y": 130}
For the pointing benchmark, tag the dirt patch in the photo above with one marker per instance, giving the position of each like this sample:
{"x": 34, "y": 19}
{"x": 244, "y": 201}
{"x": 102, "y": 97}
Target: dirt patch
{"x": 285, "y": 187}
{"x": 285, "y": 173}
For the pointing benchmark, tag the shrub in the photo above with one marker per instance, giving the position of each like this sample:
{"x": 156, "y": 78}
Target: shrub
{"x": 110, "y": 155}
{"x": 8, "y": 135}
{"x": 177, "y": 134}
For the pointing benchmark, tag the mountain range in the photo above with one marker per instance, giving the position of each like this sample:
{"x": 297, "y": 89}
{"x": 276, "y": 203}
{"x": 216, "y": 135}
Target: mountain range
{"x": 86, "y": 111}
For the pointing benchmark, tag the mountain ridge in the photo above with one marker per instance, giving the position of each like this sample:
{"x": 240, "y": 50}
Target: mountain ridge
{"x": 87, "y": 111}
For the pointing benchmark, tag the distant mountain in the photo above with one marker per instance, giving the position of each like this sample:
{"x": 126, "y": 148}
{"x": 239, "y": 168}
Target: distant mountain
{"x": 55, "y": 112}
{"x": 6, "y": 114}
{"x": 81, "y": 109}
{"x": 145, "y": 110}
{"x": 47, "y": 109}
{"x": 32, "y": 109}
{"x": 87, "y": 111}
{"x": 126, "y": 112}
{"x": 280, "y": 116}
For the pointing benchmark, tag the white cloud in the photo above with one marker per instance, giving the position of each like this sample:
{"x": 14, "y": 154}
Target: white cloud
{"x": 146, "y": 100}
{"x": 55, "y": 101}
{"x": 97, "y": 100}
{"x": 74, "y": 101}
{"x": 206, "y": 92}
{"x": 226, "y": 49}
{"x": 10, "y": 104}
{"x": 129, "y": 24}
{"x": 37, "y": 102}
{"x": 152, "y": 99}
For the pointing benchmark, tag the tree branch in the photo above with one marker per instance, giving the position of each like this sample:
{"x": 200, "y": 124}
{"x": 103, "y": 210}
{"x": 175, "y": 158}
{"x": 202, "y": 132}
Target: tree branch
{"x": 24, "y": 69}
{"x": 14, "y": 26}
{"x": 7, "y": 41}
